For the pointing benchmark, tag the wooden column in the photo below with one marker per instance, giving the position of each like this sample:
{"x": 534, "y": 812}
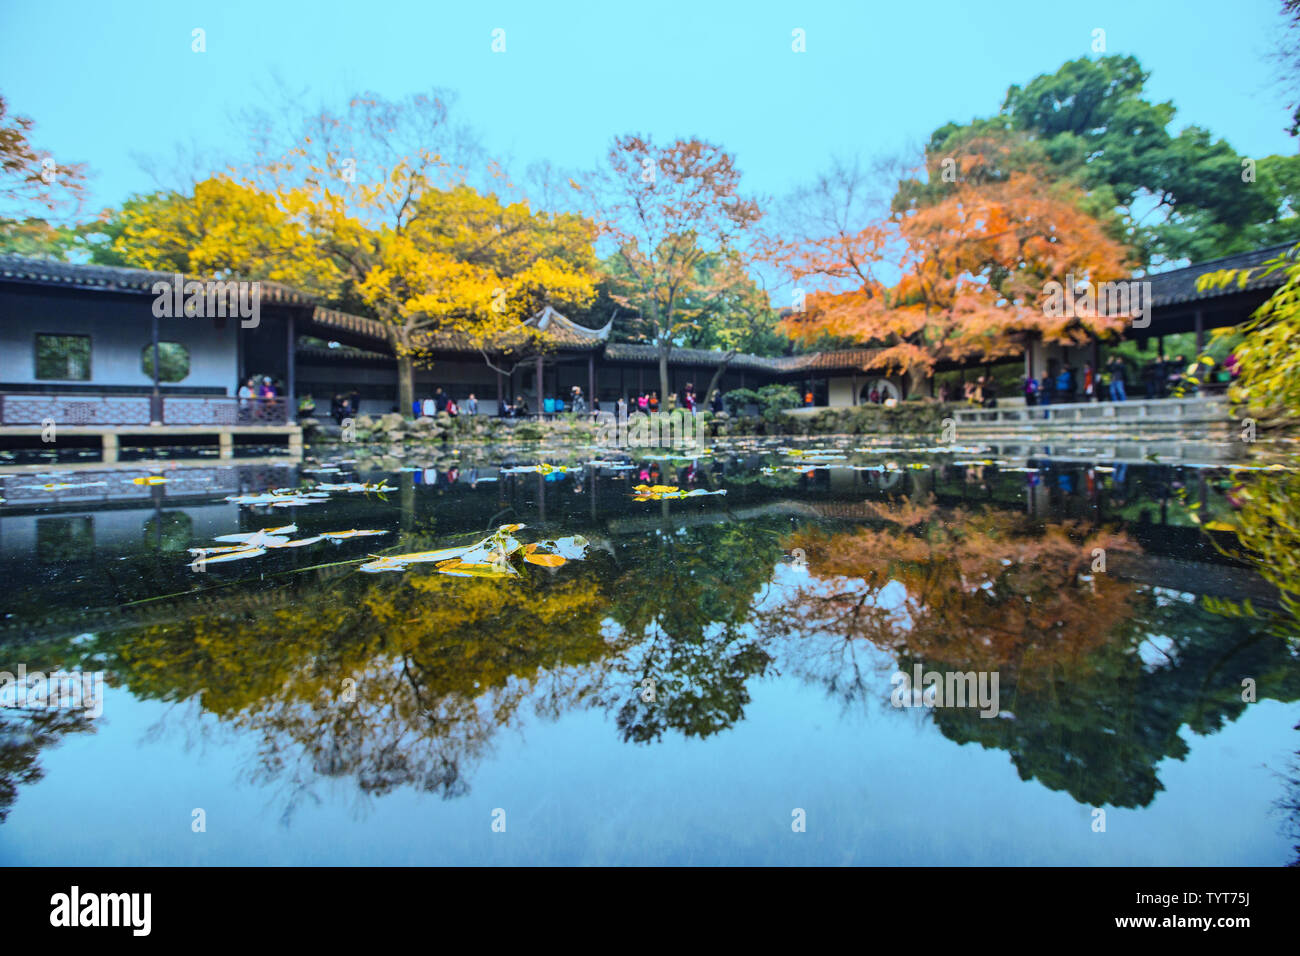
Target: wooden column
{"x": 291, "y": 383}
{"x": 591, "y": 380}
{"x": 1200, "y": 332}
{"x": 540, "y": 392}
{"x": 155, "y": 402}
{"x": 500, "y": 401}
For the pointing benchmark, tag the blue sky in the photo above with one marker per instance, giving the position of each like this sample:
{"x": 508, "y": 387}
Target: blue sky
{"x": 108, "y": 82}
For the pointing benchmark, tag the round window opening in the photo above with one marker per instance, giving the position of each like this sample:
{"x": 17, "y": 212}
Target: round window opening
{"x": 879, "y": 392}
{"x": 173, "y": 361}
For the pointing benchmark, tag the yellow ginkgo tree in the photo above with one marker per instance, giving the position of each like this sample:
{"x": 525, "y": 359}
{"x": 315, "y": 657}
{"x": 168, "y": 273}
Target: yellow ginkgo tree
{"x": 399, "y": 234}
{"x": 226, "y": 227}
{"x": 455, "y": 266}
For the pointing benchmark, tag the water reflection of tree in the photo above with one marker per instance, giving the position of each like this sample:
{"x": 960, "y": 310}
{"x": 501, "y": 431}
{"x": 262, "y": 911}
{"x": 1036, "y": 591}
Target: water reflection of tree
{"x": 24, "y": 733}
{"x": 1266, "y": 529}
{"x": 439, "y": 664}
{"x": 981, "y": 590}
{"x": 685, "y": 602}
{"x": 442, "y": 664}
{"x": 1085, "y": 713}
{"x": 1266, "y": 524}
{"x": 1100, "y": 731}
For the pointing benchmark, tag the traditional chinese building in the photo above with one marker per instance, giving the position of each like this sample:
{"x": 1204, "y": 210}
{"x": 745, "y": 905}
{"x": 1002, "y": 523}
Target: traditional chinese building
{"x": 96, "y": 346}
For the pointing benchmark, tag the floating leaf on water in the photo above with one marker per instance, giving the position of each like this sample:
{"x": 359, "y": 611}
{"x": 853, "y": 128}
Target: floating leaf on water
{"x": 225, "y": 550}
{"x": 490, "y": 557}
{"x": 354, "y": 486}
{"x": 239, "y": 555}
{"x": 660, "y": 492}
{"x": 284, "y": 529}
{"x": 467, "y": 569}
{"x": 294, "y": 544}
{"x": 282, "y": 501}
{"x": 398, "y": 562}
{"x": 542, "y": 469}
{"x": 342, "y": 535}
{"x": 491, "y": 550}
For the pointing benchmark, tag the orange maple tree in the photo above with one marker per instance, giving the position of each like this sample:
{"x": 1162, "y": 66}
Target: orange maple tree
{"x": 958, "y": 270}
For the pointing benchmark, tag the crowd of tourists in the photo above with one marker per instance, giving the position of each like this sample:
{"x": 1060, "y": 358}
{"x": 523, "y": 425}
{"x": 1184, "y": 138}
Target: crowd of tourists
{"x": 647, "y": 402}
{"x": 257, "y": 399}
{"x": 1160, "y": 378}
{"x": 440, "y": 403}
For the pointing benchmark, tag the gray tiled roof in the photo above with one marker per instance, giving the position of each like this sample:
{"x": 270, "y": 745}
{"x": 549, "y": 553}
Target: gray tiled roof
{"x": 1179, "y": 285}
{"x": 631, "y": 352}
{"x": 841, "y": 360}
{"x": 117, "y": 278}
{"x": 560, "y": 331}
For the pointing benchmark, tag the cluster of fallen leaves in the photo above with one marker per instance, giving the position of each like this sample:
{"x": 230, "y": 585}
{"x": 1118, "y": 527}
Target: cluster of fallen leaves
{"x": 293, "y": 497}
{"x": 237, "y": 547}
{"x": 496, "y": 556}
{"x": 660, "y": 492}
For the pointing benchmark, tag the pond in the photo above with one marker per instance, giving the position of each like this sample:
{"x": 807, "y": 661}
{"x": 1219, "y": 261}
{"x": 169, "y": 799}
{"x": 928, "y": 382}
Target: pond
{"x": 832, "y": 652}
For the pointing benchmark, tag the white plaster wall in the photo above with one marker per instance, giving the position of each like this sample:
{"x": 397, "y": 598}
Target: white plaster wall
{"x": 119, "y": 329}
{"x": 839, "y": 392}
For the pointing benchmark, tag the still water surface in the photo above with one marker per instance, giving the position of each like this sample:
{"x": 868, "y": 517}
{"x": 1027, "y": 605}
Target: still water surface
{"x": 700, "y": 678}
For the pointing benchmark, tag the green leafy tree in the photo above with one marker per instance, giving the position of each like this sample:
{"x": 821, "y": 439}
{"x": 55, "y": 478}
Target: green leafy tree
{"x": 1269, "y": 383}
{"x": 1188, "y": 195}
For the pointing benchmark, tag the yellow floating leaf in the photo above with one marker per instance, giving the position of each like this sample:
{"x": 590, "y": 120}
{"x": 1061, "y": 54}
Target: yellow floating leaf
{"x": 1219, "y": 526}
{"x": 466, "y": 569}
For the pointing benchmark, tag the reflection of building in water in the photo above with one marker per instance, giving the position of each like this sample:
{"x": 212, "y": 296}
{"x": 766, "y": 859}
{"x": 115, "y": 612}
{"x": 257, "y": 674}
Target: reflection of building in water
{"x": 76, "y": 536}
{"x": 88, "y": 487}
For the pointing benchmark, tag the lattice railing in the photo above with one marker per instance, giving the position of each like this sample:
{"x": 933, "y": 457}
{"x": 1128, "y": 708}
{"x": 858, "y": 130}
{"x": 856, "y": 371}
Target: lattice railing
{"x": 74, "y": 409}
{"x": 19, "y": 409}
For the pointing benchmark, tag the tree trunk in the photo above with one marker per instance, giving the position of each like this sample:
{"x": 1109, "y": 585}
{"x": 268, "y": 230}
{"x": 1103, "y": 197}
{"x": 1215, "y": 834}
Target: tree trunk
{"x": 717, "y": 377}
{"x": 405, "y": 385}
{"x": 663, "y": 376}
{"x": 916, "y": 377}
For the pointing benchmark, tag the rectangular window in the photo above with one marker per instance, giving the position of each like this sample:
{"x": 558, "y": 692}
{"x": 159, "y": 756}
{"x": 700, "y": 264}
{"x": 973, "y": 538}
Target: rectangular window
{"x": 65, "y": 357}
{"x": 65, "y": 539}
